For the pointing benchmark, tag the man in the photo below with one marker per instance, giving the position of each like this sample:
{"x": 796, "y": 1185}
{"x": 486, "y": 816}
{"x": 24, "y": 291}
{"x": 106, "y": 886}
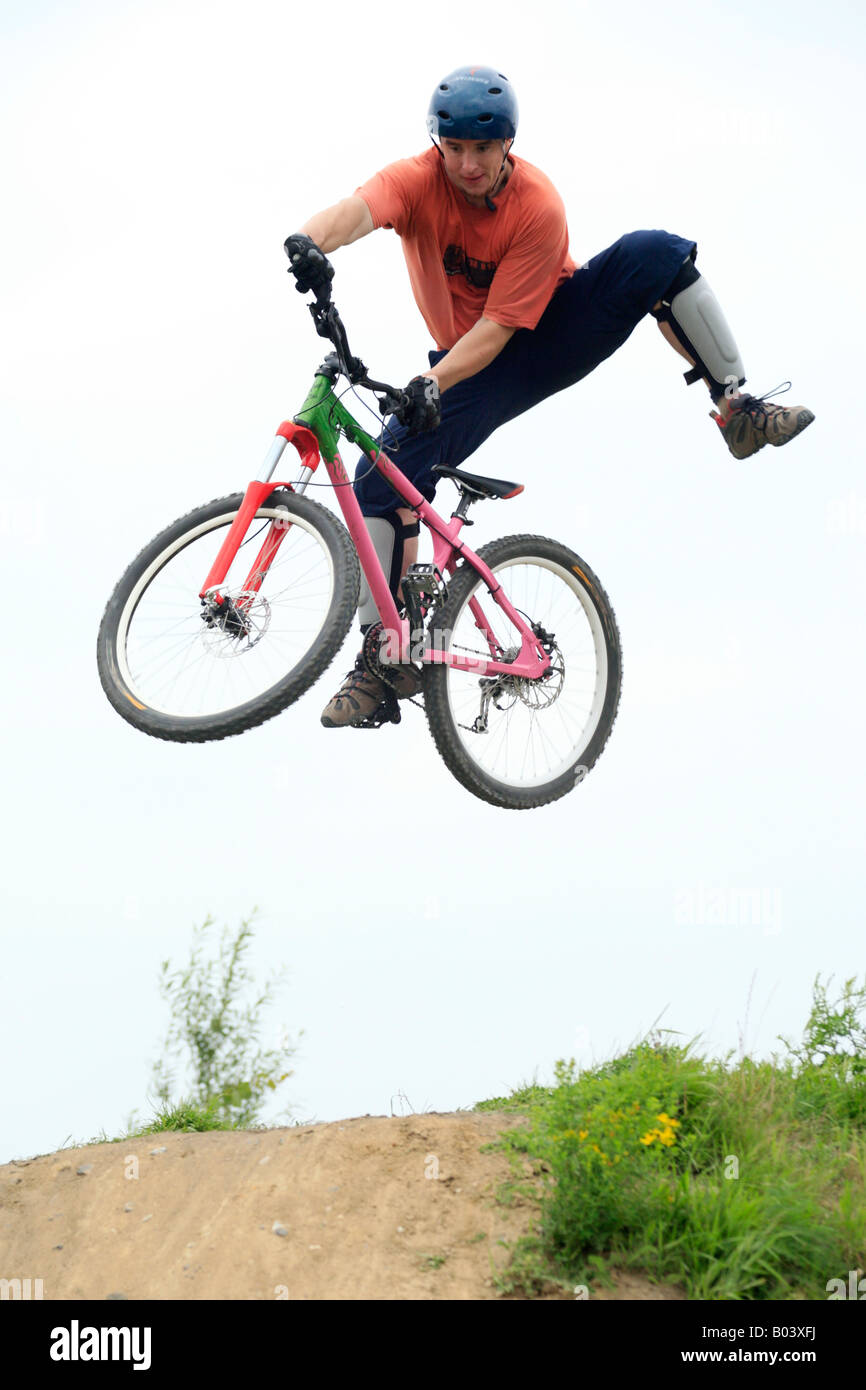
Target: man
{"x": 514, "y": 319}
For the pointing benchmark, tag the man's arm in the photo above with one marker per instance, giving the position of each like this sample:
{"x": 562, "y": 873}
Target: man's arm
{"x": 345, "y": 222}
{"x": 471, "y": 353}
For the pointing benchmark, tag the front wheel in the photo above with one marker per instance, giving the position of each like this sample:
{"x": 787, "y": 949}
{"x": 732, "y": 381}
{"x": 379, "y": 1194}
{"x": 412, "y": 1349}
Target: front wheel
{"x": 514, "y": 742}
{"x": 173, "y": 670}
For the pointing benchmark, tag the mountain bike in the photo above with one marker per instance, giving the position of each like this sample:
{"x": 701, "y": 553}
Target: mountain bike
{"x": 231, "y": 613}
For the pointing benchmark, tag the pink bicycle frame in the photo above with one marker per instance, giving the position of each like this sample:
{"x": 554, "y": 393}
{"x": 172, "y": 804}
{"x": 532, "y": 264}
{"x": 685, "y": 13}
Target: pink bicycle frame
{"x": 532, "y": 660}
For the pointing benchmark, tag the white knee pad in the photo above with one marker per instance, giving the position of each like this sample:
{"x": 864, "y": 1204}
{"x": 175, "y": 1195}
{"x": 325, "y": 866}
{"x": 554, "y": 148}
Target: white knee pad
{"x": 708, "y": 339}
{"x": 383, "y": 536}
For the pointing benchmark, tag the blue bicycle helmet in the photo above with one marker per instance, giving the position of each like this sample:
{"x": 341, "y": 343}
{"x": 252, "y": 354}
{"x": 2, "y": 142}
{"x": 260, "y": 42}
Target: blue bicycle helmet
{"x": 473, "y": 104}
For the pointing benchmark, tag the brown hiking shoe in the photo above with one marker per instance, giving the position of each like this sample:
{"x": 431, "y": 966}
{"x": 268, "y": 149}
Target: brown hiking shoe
{"x": 363, "y": 699}
{"x": 754, "y": 421}
{"x": 358, "y": 698}
{"x": 404, "y": 680}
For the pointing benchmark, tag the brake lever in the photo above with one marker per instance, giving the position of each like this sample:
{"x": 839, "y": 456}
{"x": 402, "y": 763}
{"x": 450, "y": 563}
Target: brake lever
{"x": 321, "y": 317}
{"x": 329, "y": 325}
{"x": 392, "y": 401}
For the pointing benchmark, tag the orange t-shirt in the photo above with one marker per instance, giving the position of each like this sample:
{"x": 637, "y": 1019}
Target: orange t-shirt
{"x": 516, "y": 255}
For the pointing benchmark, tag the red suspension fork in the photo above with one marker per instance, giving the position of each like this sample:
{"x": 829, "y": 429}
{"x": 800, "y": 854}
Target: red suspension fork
{"x": 254, "y": 580}
{"x": 260, "y": 488}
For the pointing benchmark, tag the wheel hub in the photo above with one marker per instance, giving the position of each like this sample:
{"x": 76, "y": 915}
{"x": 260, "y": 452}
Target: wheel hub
{"x": 236, "y": 625}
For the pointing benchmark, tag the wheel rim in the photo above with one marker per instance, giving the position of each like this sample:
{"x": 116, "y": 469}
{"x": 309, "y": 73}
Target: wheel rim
{"x": 175, "y": 665}
{"x": 536, "y": 733}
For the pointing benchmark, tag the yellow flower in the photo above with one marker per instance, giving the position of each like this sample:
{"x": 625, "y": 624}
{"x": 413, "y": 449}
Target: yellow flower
{"x": 666, "y": 1120}
{"x": 648, "y": 1138}
{"x": 583, "y": 1134}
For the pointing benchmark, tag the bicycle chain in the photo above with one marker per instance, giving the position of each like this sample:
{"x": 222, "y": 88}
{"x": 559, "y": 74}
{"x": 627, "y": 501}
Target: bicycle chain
{"x": 379, "y": 671}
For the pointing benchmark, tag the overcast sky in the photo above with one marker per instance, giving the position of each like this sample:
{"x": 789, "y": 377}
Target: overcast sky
{"x": 155, "y": 156}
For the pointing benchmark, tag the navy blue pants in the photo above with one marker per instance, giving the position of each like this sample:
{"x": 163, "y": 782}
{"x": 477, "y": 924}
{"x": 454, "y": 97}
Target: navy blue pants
{"x": 588, "y": 318}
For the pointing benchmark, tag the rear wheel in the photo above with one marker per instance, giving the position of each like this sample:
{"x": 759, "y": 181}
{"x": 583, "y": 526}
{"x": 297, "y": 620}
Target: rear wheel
{"x": 177, "y": 671}
{"x": 514, "y": 742}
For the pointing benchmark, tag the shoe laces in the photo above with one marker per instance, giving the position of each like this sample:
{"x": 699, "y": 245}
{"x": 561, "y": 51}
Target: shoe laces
{"x": 356, "y": 676}
{"x": 757, "y": 405}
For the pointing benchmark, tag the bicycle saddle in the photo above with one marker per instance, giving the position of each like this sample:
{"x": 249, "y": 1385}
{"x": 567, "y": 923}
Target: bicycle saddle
{"x": 474, "y": 483}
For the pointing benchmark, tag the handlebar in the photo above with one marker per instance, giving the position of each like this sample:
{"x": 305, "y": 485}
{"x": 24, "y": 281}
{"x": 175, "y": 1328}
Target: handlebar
{"x": 329, "y": 325}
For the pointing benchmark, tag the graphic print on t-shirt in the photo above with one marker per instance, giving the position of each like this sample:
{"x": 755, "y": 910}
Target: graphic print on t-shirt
{"x": 478, "y": 273}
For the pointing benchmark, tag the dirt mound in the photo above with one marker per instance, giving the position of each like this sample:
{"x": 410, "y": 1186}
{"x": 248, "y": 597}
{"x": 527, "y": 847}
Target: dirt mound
{"x": 370, "y": 1208}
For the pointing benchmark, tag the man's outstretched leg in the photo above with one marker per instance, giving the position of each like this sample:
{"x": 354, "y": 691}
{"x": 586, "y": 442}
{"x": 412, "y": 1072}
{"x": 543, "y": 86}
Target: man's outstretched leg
{"x": 691, "y": 320}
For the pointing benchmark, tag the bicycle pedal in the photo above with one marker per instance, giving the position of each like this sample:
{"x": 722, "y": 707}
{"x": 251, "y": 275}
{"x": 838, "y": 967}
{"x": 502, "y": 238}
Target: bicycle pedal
{"x": 388, "y": 712}
{"x": 425, "y": 581}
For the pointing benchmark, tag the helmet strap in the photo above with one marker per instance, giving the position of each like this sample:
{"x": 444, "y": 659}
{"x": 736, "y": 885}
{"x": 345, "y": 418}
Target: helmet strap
{"x": 488, "y": 197}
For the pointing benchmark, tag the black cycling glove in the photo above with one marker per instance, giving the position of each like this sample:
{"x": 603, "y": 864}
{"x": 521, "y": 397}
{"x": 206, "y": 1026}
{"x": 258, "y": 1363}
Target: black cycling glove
{"x": 310, "y": 266}
{"x": 421, "y": 410}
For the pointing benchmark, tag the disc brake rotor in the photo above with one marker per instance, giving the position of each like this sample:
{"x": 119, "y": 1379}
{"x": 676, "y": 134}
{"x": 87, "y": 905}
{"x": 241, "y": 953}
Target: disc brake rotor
{"x": 238, "y": 625}
{"x": 540, "y": 693}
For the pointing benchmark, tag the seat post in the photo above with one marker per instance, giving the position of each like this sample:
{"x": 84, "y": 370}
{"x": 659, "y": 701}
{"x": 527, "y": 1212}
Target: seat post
{"x": 463, "y": 507}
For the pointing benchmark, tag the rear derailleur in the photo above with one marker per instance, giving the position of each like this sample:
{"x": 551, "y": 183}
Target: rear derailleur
{"x": 503, "y": 691}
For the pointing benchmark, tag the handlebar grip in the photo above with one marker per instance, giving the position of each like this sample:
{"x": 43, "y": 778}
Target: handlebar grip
{"x": 393, "y": 401}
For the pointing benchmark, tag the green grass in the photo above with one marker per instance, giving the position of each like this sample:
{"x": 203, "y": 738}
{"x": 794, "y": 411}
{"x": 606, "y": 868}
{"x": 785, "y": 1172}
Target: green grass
{"x": 741, "y": 1180}
{"x": 183, "y": 1117}
{"x": 429, "y": 1262}
{"x": 187, "y": 1117}
{"x": 519, "y": 1099}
